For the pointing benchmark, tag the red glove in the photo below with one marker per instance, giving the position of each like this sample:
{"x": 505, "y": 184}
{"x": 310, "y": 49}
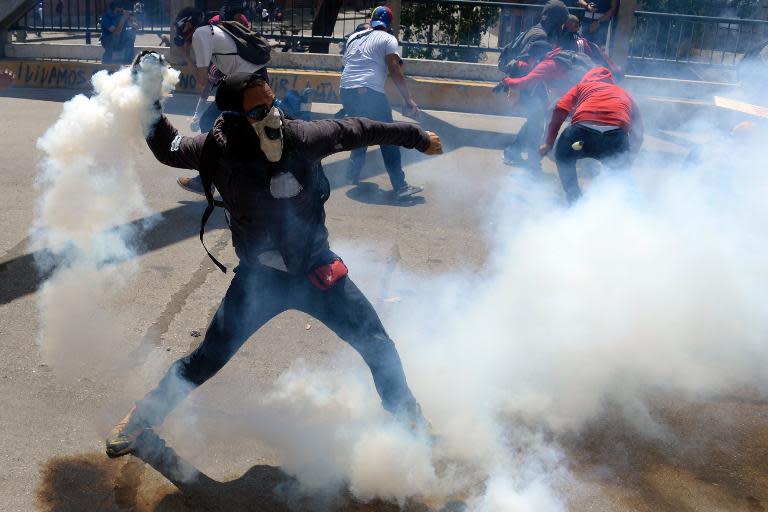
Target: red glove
{"x": 325, "y": 276}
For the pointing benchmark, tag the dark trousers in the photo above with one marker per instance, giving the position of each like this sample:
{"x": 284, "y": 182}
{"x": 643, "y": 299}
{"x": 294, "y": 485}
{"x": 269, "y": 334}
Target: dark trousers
{"x": 608, "y": 144}
{"x": 373, "y": 105}
{"x": 599, "y": 36}
{"x": 209, "y": 117}
{"x": 258, "y": 294}
{"x": 528, "y": 140}
{"x": 118, "y": 48}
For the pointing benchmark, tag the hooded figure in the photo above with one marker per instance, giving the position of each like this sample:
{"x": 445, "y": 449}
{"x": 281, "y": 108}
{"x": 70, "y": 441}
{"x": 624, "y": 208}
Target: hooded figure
{"x": 267, "y": 170}
{"x": 516, "y": 60}
{"x": 553, "y": 17}
{"x": 605, "y": 124}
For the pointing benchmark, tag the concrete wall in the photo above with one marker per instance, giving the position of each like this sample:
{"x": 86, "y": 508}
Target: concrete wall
{"x": 431, "y": 93}
{"x": 289, "y": 60}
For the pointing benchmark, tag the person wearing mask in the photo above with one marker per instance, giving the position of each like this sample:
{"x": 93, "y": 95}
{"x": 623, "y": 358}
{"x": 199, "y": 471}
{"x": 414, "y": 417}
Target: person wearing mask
{"x": 369, "y": 56}
{"x": 118, "y": 34}
{"x": 598, "y": 18}
{"x": 213, "y": 49}
{"x": 516, "y": 60}
{"x": 605, "y": 125}
{"x": 268, "y": 172}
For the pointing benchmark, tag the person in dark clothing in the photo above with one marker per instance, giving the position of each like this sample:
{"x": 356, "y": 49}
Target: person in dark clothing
{"x": 267, "y": 170}
{"x": 598, "y": 16}
{"x": 526, "y": 53}
{"x": 605, "y": 124}
{"x": 118, "y": 34}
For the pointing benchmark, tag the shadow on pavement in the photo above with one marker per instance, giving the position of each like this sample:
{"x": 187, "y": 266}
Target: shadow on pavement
{"x": 22, "y": 276}
{"x": 370, "y": 193}
{"x": 96, "y": 483}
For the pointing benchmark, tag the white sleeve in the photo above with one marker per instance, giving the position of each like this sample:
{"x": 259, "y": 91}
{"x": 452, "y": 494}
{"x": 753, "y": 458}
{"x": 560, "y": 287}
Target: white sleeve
{"x": 202, "y": 44}
{"x": 391, "y": 46}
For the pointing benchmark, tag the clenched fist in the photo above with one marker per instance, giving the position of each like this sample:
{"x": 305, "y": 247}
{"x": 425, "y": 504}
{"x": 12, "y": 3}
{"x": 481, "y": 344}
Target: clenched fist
{"x": 435, "y": 146}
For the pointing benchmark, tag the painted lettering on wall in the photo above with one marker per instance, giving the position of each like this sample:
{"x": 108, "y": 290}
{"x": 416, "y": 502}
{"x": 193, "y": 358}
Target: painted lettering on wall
{"x": 324, "y": 91}
{"x": 77, "y": 75}
{"x": 53, "y": 74}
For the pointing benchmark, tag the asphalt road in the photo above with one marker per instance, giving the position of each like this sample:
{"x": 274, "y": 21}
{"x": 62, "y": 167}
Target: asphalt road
{"x": 52, "y": 428}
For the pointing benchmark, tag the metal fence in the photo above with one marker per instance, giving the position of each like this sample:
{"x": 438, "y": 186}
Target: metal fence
{"x": 466, "y": 30}
{"x": 84, "y": 16}
{"x": 664, "y": 39}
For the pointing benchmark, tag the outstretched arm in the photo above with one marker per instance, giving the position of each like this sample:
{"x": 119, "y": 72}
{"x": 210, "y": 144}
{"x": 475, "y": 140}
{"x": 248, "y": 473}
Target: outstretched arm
{"x": 319, "y": 139}
{"x": 635, "y": 130}
{"x": 163, "y": 139}
{"x": 547, "y": 69}
{"x": 558, "y": 117}
{"x": 173, "y": 149}
{"x": 395, "y": 67}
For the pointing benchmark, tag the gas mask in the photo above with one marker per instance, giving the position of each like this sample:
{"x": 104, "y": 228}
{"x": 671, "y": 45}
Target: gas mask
{"x": 269, "y": 130}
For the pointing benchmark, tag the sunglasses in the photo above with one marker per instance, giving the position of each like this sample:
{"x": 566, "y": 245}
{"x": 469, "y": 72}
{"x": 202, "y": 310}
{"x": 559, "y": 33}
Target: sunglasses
{"x": 260, "y": 112}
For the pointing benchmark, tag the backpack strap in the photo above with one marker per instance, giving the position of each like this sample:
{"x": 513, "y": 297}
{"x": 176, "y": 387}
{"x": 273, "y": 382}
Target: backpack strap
{"x": 358, "y": 37}
{"x": 208, "y": 162}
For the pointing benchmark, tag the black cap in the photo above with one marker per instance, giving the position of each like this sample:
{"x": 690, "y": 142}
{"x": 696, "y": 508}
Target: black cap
{"x": 229, "y": 96}
{"x": 553, "y": 15}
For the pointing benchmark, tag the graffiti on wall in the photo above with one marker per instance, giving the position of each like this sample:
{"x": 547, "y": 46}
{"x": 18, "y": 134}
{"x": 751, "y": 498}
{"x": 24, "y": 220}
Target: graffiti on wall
{"x": 325, "y": 90}
{"x": 52, "y": 74}
{"x": 76, "y": 75}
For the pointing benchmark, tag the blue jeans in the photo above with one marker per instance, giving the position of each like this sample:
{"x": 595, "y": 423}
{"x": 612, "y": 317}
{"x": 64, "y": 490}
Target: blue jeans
{"x": 209, "y": 116}
{"x": 256, "y": 295}
{"x": 118, "y": 48}
{"x": 599, "y": 36}
{"x": 373, "y": 105}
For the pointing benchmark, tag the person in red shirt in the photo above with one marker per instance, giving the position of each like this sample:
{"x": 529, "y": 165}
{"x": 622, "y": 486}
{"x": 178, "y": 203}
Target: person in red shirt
{"x": 605, "y": 124}
{"x": 557, "y": 72}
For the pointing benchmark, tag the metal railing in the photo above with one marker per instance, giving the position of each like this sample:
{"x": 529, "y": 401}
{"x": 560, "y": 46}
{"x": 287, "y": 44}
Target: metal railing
{"x": 84, "y": 16}
{"x": 466, "y": 30}
{"x": 662, "y": 38}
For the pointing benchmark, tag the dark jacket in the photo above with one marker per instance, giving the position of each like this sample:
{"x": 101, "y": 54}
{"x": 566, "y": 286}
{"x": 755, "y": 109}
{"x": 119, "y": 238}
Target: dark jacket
{"x": 519, "y": 57}
{"x": 295, "y": 227}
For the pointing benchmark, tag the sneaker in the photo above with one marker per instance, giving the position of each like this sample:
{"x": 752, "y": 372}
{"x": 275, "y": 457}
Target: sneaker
{"x": 122, "y": 438}
{"x": 194, "y": 185}
{"x": 407, "y": 191}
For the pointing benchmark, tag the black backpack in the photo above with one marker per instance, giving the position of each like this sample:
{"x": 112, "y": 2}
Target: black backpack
{"x": 510, "y": 52}
{"x": 250, "y": 45}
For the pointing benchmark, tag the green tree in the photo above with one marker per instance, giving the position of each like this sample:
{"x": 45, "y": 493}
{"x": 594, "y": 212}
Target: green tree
{"x": 446, "y": 24}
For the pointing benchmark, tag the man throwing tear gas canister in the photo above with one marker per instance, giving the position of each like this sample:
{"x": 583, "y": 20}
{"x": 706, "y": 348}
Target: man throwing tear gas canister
{"x": 267, "y": 170}
{"x": 605, "y": 124}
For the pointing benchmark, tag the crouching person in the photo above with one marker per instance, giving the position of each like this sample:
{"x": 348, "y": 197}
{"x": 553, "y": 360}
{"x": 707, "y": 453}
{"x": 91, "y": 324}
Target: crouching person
{"x": 605, "y": 125}
{"x": 267, "y": 170}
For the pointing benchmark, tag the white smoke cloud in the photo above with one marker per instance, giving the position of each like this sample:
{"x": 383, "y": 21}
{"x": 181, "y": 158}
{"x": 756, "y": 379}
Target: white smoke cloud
{"x": 89, "y": 191}
{"x": 642, "y": 289}
{"x": 646, "y": 288}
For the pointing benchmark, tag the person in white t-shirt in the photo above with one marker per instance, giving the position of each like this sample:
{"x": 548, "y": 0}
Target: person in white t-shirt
{"x": 211, "y": 46}
{"x": 369, "y": 56}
